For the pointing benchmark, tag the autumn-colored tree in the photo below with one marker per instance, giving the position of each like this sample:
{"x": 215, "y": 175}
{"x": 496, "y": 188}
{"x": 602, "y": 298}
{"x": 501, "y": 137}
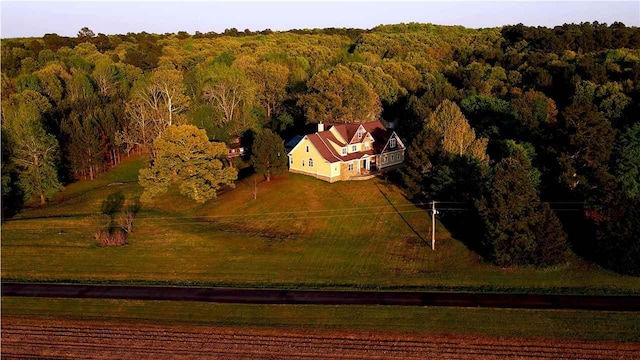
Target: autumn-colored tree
{"x": 186, "y": 157}
{"x": 340, "y": 95}
{"x": 534, "y": 112}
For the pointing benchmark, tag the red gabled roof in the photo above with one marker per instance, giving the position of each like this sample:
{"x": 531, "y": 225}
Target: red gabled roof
{"x": 348, "y": 131}
{"x": 321, "y": 140}
{"x": 323, "y": 148}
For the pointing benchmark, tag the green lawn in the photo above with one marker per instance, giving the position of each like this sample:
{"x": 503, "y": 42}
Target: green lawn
{"x": 572, "y": 324}
{"x": 299, "y": 233}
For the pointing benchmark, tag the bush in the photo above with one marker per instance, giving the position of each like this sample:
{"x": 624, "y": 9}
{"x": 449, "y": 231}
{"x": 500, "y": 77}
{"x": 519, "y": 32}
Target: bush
{"x": 115, "y": 238}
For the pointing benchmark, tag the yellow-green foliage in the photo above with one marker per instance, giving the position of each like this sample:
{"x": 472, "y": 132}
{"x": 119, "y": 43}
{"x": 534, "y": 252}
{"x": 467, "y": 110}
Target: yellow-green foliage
{"x": 186, "y": 156}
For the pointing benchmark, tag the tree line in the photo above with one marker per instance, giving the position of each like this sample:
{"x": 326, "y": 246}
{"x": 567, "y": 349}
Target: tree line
{"x": 536, "y": 130}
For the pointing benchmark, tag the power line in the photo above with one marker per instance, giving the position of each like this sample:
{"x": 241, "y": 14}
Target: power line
{"x": 292, "y": 212}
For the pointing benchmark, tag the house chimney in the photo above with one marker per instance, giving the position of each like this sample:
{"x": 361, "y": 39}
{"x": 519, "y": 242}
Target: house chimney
{"x": 320, "y": 127}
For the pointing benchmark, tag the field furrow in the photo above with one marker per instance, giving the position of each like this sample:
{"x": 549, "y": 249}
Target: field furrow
{"x": 24, "y": 337}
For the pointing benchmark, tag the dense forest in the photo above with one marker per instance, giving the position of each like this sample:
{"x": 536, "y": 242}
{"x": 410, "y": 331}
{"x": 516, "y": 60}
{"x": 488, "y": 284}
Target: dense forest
{"x": 533, "y": 133}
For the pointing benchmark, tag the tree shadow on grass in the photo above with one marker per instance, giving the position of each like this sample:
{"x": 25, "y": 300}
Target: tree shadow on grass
{"x": 463, "y": 222}
{"x": 401, "y": 216}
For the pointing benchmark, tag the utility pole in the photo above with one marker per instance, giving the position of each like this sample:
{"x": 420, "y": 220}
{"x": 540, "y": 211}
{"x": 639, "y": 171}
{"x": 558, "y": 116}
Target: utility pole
{"x": 433, "y": 224}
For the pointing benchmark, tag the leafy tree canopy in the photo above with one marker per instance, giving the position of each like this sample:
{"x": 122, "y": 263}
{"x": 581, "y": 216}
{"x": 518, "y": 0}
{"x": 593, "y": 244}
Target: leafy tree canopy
{"x": 268, "y": 154}
{"x": 340, "y": 95}
{"x": 186, "y": 157}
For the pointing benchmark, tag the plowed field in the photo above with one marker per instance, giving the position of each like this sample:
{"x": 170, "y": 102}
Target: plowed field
{"x": 66, "y": 339}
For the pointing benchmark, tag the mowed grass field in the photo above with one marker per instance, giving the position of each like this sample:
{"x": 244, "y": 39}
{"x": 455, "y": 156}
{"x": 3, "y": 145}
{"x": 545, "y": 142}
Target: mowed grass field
{"x": 544, "y": 324}
{"x": 299, "y": 233}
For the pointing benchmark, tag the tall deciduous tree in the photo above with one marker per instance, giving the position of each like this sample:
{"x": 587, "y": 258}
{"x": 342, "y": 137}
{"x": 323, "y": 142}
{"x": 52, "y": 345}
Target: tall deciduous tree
{"x": 85, "y": 146}
{"x": 105, "y": 76}
{"x": 85, "y": 34}
{"x": 170, "y": 93}
{"x": 269, "y": 156}
{"x": 387, "y": 88}
{"x": 232, "y": 95}
{"x": 157, "y": 103}
{"x": 457, "y": 135}
{"x": 534, "y": 112}
{"x": 590, "y": 143}
{"x": 340, "y": 95}
{"x": 35, "y": 152}
{"x": 271, "y": 80}
{"x": 185, "y": 156}
{"x": 51, "y": 79}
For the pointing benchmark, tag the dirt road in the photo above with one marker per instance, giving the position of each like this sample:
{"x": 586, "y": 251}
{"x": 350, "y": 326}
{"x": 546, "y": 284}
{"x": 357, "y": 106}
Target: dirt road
{"x": 73, "y": 339}
{"x": 266, "y": 296}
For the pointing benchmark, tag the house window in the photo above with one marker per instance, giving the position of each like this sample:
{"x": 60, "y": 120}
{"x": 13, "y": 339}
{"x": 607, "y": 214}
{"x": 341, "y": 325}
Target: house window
{"x": 359, "y": 134}
{"x": 353, "y": 147}
{"x": 366, "y": 145}
{"x": 392, "y": 157}
{"x": 307, "y": 148}
{"x": 310, "y": 162}
{"x": 350, "y": 166}
{"x": 344, "y": 151}
{"x": 291, "y": 160}
{"x": 384, "y": 159}
{"x": 302, "y": 162}
{"x": 392, "y": 143}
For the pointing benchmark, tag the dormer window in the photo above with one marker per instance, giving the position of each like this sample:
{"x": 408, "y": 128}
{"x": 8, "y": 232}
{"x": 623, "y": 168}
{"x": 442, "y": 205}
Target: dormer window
{"x": 344, "y": 151}
{"x": 392, "y": 143}
{"x": 354, "y": 147}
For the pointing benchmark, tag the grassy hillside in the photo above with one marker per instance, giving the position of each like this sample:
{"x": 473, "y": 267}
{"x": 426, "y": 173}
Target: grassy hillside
{"x": 299, "y": 232}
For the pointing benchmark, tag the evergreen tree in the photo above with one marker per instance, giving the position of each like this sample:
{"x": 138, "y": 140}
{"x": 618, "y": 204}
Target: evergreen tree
{"x": 617, "y": 238}
{"x": 628, "y": 161}
{"x": 418, "y": 164}
{"x": 519, "y": 229}
{"x": 269, "y": 156}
